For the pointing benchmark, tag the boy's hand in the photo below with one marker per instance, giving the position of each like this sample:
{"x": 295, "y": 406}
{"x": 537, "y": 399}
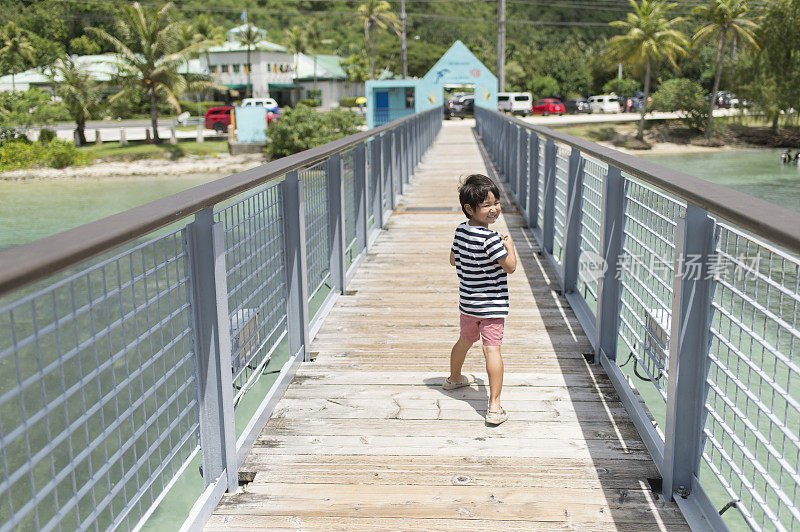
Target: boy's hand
{"x": 508, "y": 242}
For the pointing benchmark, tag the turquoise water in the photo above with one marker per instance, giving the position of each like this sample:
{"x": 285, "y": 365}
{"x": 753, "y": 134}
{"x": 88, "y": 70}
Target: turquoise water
{"x": 757, "y": 172}
{"x": 30, "y": 210}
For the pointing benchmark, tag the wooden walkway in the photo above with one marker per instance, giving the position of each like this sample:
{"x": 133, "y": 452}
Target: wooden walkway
{"x": 366, "y": 439}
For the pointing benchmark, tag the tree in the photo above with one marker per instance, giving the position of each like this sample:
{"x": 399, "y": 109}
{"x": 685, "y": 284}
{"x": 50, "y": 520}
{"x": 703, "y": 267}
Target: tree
{"x": 721, "y": 19}
{"x": 17, "y": 50}
{"x": 209, "y": 33}
{"x": 28, "y": 108}
{"x": 376, "y": 14}
{"x": 250, "y": 36}
{"x": 649, "y": 36}
{"x": 296, "y": 43}
{"x": 624, "y": 87}
{"x": 684, "y": 97}
{"x": 313, "y": 37}
{"x": 148, "y": 57}
{"x": 79, "y": 92}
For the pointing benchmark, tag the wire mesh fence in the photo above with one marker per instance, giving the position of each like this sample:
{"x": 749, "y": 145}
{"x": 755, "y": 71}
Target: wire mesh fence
{"x": 100, "y": 368}
{"x": 254, "y": 251}
{"x": 750, "y": 407}
{"x": 97, "y": 405}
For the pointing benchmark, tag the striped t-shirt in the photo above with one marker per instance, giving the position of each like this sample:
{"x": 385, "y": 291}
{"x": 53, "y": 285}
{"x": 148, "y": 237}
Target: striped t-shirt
{"x": 482, "y": 290}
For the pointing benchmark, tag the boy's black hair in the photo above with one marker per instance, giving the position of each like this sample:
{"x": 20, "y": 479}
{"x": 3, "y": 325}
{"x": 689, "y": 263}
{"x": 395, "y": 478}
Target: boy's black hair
{"x": 473, "y": 191}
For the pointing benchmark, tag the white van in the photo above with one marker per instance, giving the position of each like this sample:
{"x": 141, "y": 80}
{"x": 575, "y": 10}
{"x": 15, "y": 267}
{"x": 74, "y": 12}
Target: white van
{"x": 516, "y": 103}
{"x": 604, "y": 103}
{"x": 269, "y": 103}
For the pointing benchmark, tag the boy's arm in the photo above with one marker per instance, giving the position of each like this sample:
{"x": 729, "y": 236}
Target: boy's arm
{"x": 452, "y": 258}
{"x": 509, "y": 262}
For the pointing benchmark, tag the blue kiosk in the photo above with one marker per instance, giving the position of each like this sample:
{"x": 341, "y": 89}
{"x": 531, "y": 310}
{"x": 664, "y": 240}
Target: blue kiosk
{"x": 389, "y": 100}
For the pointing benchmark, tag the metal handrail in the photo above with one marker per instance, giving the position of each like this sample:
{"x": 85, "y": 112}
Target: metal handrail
{"x": 779, "y": 225}
{"x": 28, "y": 263}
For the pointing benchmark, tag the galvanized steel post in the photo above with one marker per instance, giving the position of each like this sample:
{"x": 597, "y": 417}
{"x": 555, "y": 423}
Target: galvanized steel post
{"x": 548, "y": 211}
{"x": 296, "y": 266}
{"x": 336, "y": 227}
{"x": 396, "y": 186}
{"x": 533, "y": 179}
{"x": 572, "y": 224}
{"x": 522, "y": 178}
{"x": 609, "y": 280}
{"x": 377, "y": 179}
{"x": 386, "y": 175}
{"x": 205, "y": 242}
{"x": 360, "y": 193}
{"x": 692, "y": 295}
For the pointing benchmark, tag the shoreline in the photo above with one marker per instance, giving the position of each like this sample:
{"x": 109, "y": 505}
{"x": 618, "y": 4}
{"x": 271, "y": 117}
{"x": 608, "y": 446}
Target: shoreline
{"x": 672, "y": 148}
{"x": 221, "y": 163}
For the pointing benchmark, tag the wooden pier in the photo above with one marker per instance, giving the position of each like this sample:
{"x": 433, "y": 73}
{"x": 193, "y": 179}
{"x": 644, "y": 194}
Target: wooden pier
{"x": 366, "y": 439}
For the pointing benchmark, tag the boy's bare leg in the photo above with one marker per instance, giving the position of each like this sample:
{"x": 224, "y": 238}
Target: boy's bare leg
{"x": 457, "y": 356}
{"x": 494, "y": 367}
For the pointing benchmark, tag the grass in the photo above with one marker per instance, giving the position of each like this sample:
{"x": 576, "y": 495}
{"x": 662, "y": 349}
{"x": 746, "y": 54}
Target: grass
{"x": 133, "y": 152}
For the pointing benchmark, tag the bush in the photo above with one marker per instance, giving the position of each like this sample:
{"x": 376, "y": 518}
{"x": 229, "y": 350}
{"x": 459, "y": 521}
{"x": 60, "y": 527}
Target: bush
{"x": 543, "y": 86}
{"x": 309, "y": 102}
{"x": 685, "y": 97}
{"x": 56, "y": 153}
{"x": 46, "y": 135}
{"x": 8, "y": 134}
{"x": 624, "y": 87}
{"x": 303, "y": 128}
{"x": 348, "y": 102}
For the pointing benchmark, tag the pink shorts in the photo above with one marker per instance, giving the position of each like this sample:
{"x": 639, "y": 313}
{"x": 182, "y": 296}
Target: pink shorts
{"x": 490, "y": 329}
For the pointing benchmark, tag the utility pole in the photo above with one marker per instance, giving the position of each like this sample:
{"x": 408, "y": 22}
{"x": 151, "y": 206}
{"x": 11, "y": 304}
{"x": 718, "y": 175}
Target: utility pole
{"x": 501, "y": 45}
{"x": 403, "y": 60}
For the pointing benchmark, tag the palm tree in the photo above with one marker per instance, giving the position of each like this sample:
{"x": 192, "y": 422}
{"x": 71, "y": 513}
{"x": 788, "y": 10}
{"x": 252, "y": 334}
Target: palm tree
{"x": 16, "y": 50}
{"x": 313, "y": 37}
{"x": 648, "y": 37}
{"x": 210, "y": 34}
{"x": 376, "y": 14}
{"x": 250, "y": 36}
{"x": 296, "y": 43}
{"x": 79, "y": 92}
{"x": 721, "y": 19}
{"x": 148, "y": 57}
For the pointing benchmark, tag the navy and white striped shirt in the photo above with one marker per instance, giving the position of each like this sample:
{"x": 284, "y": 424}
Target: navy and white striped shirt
{"x": 483, "y": 288}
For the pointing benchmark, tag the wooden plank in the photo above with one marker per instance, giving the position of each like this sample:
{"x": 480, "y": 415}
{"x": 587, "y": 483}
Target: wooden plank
{"x": 477, "y": 502}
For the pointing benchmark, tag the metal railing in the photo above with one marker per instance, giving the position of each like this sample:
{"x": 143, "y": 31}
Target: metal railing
{"x": 690, "y": 294}
{"x": 144, "y": 330}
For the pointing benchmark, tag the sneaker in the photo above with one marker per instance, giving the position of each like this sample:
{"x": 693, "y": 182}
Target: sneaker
{"x": 466, "y": 380}
{"x": 495, "y": 418}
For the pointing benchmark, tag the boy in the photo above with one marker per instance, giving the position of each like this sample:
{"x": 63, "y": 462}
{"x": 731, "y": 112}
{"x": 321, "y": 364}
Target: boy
{"x": 482, "y": 259}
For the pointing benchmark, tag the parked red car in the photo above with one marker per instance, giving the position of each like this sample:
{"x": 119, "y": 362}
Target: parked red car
{"x": 548, "y": 106}
{"x": 219, "y": 118}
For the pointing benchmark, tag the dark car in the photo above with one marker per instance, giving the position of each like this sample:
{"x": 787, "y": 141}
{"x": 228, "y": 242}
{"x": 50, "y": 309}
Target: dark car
{"x": 464, "y": 107}
{"x": 459, "y": 106}
{"x": 577, "y": 105}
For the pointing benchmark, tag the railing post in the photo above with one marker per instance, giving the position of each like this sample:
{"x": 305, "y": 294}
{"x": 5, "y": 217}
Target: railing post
{"x": 386, "y": 174}
{"x": 205, "y": 241}
{"x": 533, "y": 179}
{"x": 395, "y": 168}
{"x": 377, "y": 173}
{"x": 548, "y": 214}
{"x": 516, "y": 157}
{"x": 336, "y": 229}
{"x": 407, "y": 151}
{"x": 609, "y": 282}
{"x": 692, "y": 295}
{"x": 296, "y": 282}
{"x": 572, "y": 225}
{"x": 360, "y": 193}
{"x": 523, "y": 179}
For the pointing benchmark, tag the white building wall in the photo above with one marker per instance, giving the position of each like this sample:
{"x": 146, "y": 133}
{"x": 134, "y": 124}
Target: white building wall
{"x": 268, "y": 67}
{"x": 332, "y": 90}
